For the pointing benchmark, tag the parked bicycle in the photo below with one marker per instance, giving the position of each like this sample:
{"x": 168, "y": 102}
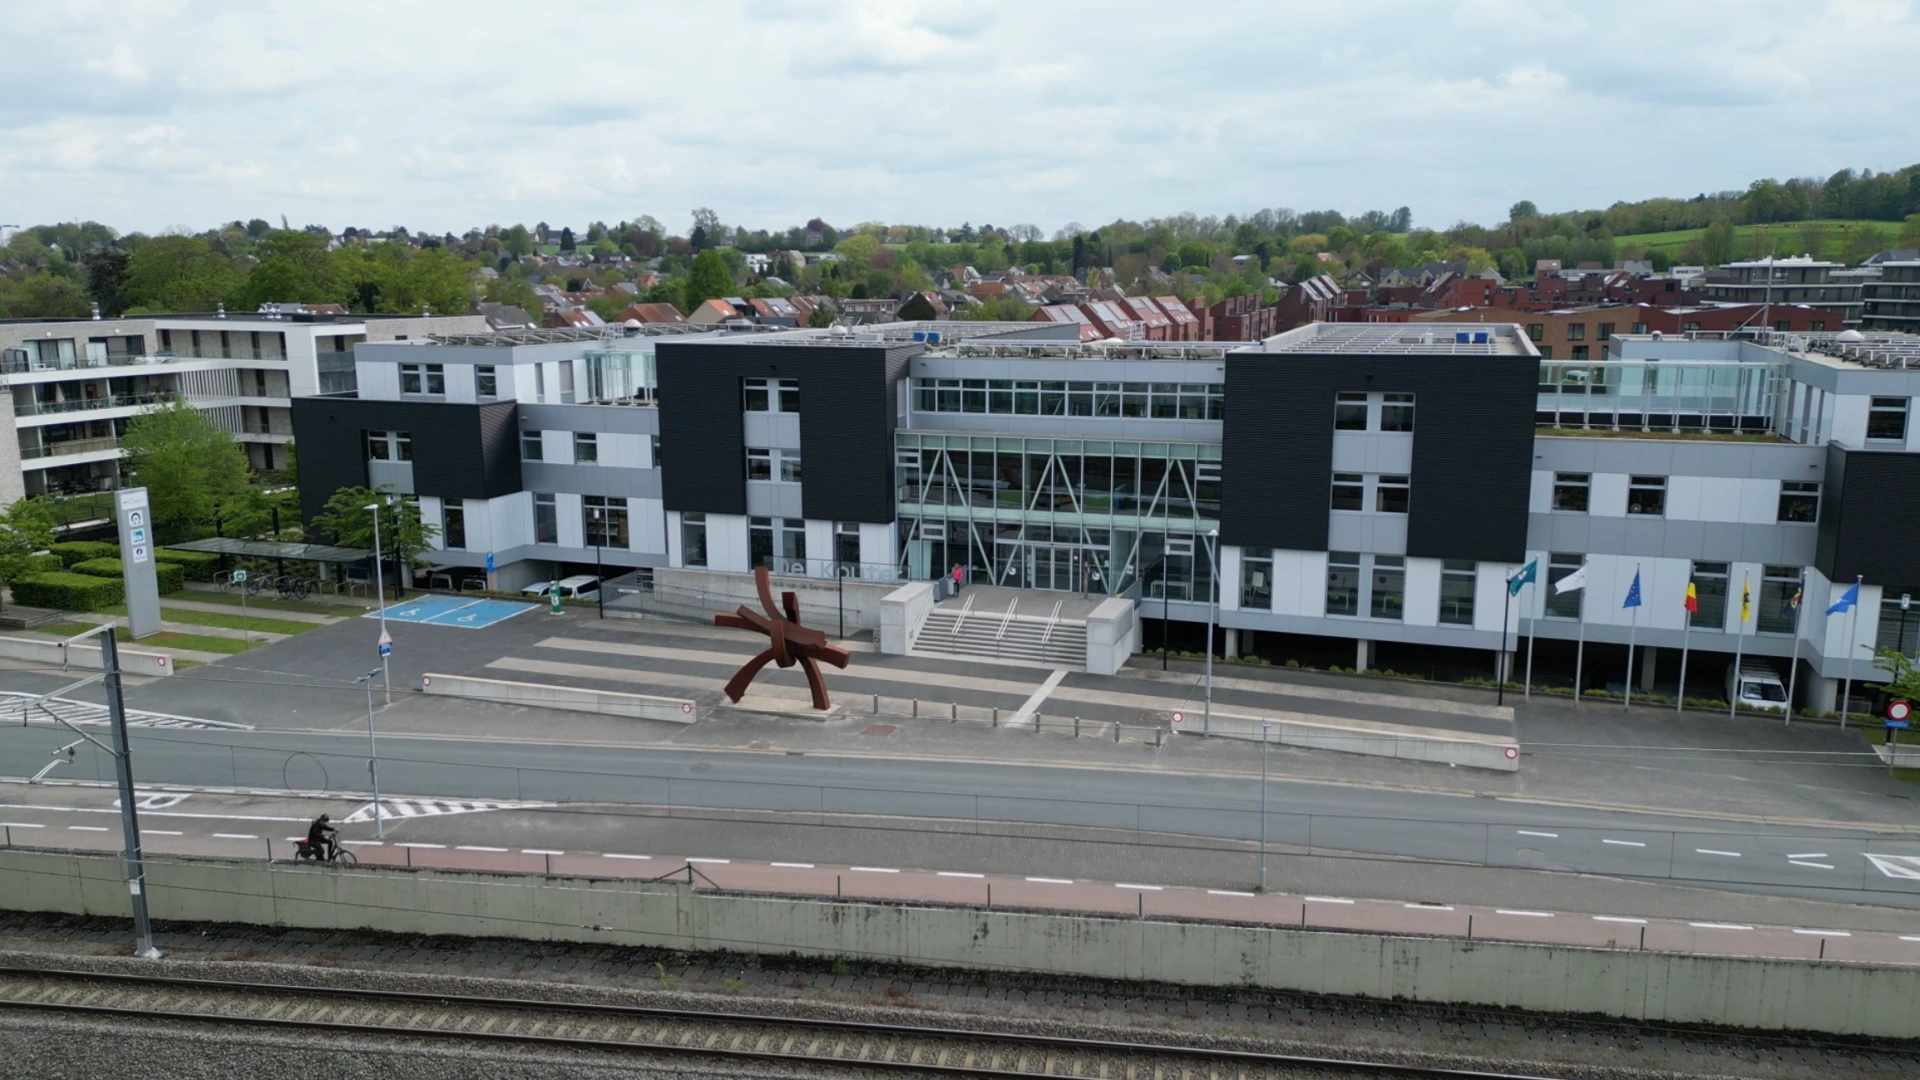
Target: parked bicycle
{"x": 293, "y": 586}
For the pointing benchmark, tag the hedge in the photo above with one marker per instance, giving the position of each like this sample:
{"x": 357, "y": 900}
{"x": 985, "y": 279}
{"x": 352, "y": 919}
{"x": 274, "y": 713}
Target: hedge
{"x": 48, "y": 563}
{"x": 172, "y": 578}
{"x": 68, "y": 592}
{"x": 77, "y": 551}
{"x": 199, "y": 565}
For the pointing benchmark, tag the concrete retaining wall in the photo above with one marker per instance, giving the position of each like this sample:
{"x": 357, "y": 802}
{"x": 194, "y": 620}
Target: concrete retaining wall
{"x": 1765, "y": 994}
{"x": 85, "y": 657}
{"x": 902, "y": 613}
{"x": 573, "y": 699}
{"x": 1112, "y": 630}
{"x": 820, "y": 597}
{"x": 1359, "y": 737}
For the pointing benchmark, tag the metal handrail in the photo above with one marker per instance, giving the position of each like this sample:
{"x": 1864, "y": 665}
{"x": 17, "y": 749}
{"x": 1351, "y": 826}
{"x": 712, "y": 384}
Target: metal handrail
{"x": 1007, "y": 619}
{"x": 1052, "y": 621}
{"x": 965, "y": 610}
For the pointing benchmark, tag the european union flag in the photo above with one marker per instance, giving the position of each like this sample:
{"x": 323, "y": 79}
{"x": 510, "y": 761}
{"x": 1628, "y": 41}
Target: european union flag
{"x": 1633, "y": 592}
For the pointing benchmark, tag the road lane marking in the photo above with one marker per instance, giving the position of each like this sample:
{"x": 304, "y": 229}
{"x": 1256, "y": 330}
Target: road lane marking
{"x": 21, "y": 825}
{"x": 1714, "y": 851}
{"x": 234, "y": 836}
{"x": 1910, "y": 937}
{"x": 1027, "y": 708}
{"x": 88, "y": 828}
{"x": 959, "y": 873}
{"x": 1720, "y": 925}
{"x": 149, "y": 813}
{"x": 440, "y": 846}
{"x": 1896, "y": 866}
{"x": 617, "y": 855}
{"x": 1528, "y": 914}
{"x": 1619, "y": 918}
{"x": 477, "y": 847}
{"x": 873, "y": 870}
{"x": 1822, "y": 933}
{"x": 1051, "y": 880}
{"x": 365, "y": 843}
{"x": 1624, "y": 843}
{"x": 795, "y": 865}
{"x": 1325, "y": 900}
{"x": 1148, "y": 888}
{"x": 721, "y": 862}
{"x": 539, "y": 851}
{"x": 1810, "y": 855}
{"x": 1227, "y": 892}
{"x": 1811, "y": 865}
{"x": 1530, "y": 832}
{"x": 1428, "y": 907}
{"x": 160, "y": 832}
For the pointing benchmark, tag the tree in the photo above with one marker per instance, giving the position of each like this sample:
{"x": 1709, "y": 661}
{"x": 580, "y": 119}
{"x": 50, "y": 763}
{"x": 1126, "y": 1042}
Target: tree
{"x": 346, "y": 520}
{"x": 294, "y": 268}
{"x": 25, "y": 527}
{"x": 1905, "y": 684}
{"x": 820, "y": 317}
{"x": 708, "y": 280}
{"x": 42, "y": 295}
{"x": 1716, "y": 244}
{"x": 177, "y": 274}
{"x": 517, "y": 241}
{"x": 566, "y": 238}
{"x": 189, "y": 465}
{"x": 106, "y": 276}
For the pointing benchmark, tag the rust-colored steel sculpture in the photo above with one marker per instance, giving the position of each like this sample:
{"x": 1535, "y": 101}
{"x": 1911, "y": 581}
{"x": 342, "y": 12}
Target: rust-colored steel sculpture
{"x": 792, "y": 643}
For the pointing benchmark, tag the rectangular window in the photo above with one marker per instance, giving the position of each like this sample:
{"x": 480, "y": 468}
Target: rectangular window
{"x": 1780, "y": 600}
{"x": 1606, "y": 332}
{"x": 1647, "y": 495}
{"x": 410, "y": 380}
{"x": 453, "y": 525}
{"x": 786, "y": 395}
{"x": 1396, "y": 412}
{"x": 793, "y": 543}
{"x": 1256, "y": 578}
{"x": 1390, "y": 495}
{"x": 604, "y": 520}
{"x": 1799, "y": 502}
{"x": 1710, "y": 594}
{"x": 1563, "y": 605}
{"x": 1817, "y": 325}
{"x": 1546, "y": 352}
{"x": 759, "y": 464}
{"x": 1350, "y": 411}
{"x": 485, "y": 382}
{"x": 846, "y": 548}
{"x": 546, "y": 520}
{"x": 760, "y": 542}
{"x": 754, "y": 396}
{"x": 1343, "y": 583}
{"x": 1536, "y": 331}
{"x": 1900, "y": 624}
{"x": 1579, "y": 352}
{"x": 653, "y": 444}
{"x": 693, "y": 539}
{"x": 436, "y": 379}
{"x": 531, "y": 445}
{"x": 1887, "y": 419}
{"x": 1457, "y": 586}
{"x": 1638, "y": 328}
{"x": 770, "y": 395}
{"x": 1389, "y": 587}
{"x": 586, "y": 448}
{"x": 1576, "y": 331}
{"x": 390, "y": 445}
{"x": 1349, "y": 491}
{"x": 790, "y": 466}
{"x": 1570, "y": 491}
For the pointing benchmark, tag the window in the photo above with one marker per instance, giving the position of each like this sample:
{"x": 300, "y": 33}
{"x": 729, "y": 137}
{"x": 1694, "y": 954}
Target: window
{"x": 1710, "y": 594}
{"x": 846, "y": 548}
{"x": 531, "y": 444}
{"x": 1343, "y": 583}
{"x": 1546, "y": 352}
{"x": 1396, "y": 412}
{"x": 1256, "y": 578}
{"x": 485, "y": 382}
{"x": 1639, "y": 328}
{"x": 1799, "y": 502}
{"x": 1690, "y": 326}
{"x": 754, "y": 396}
{"x": 1536, "y": 331}
{"x": 1887, "y": 419}
{"x": 1817, "y": 325}
{"x": 1576, "y": 331}
{"x": 790, "y": 466}
{"x": 1570, "y": 491}
{"x": 1579, "y": 352}
{"x": 1647, "y": 495}
{"x": 423, "y": 379}
{"x": 1563, "y": 605}
{"x": 1780, "y": 600}
{"x": 390, "y": 445}
{"x": 759, "y": 541}
{"x": 410, "y": 380}
{"x": 1457, "y": 586}
{"x": 759, "y": 464}
{"x": 1899, "y": 624}
{"x": 1390, "y": 495}
{"x": 1783, "y": 325}
{"x": 693, "y": 539}
{"x": 653, "y": 444}
{"x": 604, "y": 520}
{"x": 586, "y": 448}
{"x": 1349, "y": 491}
{"x": 793, "y": 542}
{"x": 546, "y": 520}
{"x": 1606, "y": 332}
{"x": 770, "y": 395}
{"x": 1389, "y": 586}
{"x": 764, "y": 464}
{"x": 1350, "y": 411}
{"x": 453, "y": 525}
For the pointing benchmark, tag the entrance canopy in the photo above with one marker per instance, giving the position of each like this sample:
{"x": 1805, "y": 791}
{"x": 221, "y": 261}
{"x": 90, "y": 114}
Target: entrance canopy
{"x": 276, "y": 549}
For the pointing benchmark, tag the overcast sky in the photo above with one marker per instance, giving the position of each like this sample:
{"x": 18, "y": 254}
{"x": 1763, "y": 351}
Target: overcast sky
{"x": 151, "y": 114}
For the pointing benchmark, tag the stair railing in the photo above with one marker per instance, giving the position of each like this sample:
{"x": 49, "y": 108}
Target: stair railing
{"x": 1006, "y": 620}
{"x": 1052, "y": 621}
{"x": 965, "y": 610}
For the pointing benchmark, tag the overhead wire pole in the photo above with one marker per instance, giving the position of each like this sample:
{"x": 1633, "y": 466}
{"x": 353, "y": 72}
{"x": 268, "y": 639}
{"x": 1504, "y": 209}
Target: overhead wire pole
{"x": 373, "y": 757}
{"x": 380, "y": 596}
{"x": 129, "y": 817}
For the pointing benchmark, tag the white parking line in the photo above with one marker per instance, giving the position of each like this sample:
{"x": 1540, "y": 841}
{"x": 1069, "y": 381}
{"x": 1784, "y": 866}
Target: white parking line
{"x": 234, "y": 836}
{"x": 1619, "y": 918}
{"x": 1528, "y": 914}
{"x": 1051, "y": 880}
{"x": 1227, "y": 892}
{"x": 1530, "y": 832}
{"x": 1822, "y": 933}
{"x": 721, "y": 862}
{"x": 476, "y": 847}
{"x": 1810, "y": 855}
{"x": 1811, "y": 865}
{"x": 1148, "y": 888}
{"x": 960, "y": 873}
{"x": 88, "y": 828}
{"x": 1721, "y": 925}
{"x": 873, "y": 870}
{"x": 1713, "y": 851}
{"x": 795, "y": 865}
{"x": 1910, "y": 937}
{"x": 532, "y": 851}
{"x": 1428, "y": 907}
{"x": 1325, "y": 900}
{"x": 164, "y": 832}
{"x": 21, "y": 825}
{"x": 617, "y": 855}
{"x": 1624, "y": 843}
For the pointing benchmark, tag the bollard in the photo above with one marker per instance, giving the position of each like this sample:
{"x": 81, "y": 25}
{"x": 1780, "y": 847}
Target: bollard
{"x": 410, "y": 850}
{"x": 876, "y": 704}
{"x": 836, "y": 886}
{"x": 1303, "y": 916}
{"x": 1469, "y": 928}
{"x": 269, "y": 849}
{"x": 1076, "y": 727}
{"x": 1643, "y": 939}
{"x": 956, "y": 712}
{"x": 1116, "y": 731}
{"x": 916, "y": 708}
{"x": 1143, "y": 904}
{"x": 1157, "y": 732}
{"x": 1823, "y": 948}
{"x": 996, "y": 716}
{"x": 549, "y": 859}
{"x": 989, "y": 894}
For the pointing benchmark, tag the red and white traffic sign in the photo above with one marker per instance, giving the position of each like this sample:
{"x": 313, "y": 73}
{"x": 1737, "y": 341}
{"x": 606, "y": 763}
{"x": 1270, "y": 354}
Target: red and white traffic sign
{"x": 1899, "y": 710}
{"x": 426, "y": 680}
{"x": 1513, "y": 753}
{"x": 1179, "y": 718}
{"x": 686, "y": 706}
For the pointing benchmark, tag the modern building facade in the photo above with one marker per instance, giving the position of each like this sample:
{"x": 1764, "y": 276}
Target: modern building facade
{"x": 1892, "y": 301}
{"x": 1799, "y": 279}
{"x": 1368, "y": 486}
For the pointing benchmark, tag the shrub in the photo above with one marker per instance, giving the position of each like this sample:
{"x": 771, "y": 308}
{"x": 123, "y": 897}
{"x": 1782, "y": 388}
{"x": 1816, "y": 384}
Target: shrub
{"x": 76, "y": 551}
{"x": 1293, "y": 663}
{"x": 45, "y": 564}
{"x": 171, "y": 578}
{"x": 69, "y": 592}
{"x": 199, "y": 565}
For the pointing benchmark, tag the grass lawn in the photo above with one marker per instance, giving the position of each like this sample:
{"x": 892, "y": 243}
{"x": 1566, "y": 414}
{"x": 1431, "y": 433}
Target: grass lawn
{"x": 263, "y": 603}
{"x": 197, "y": 642}
{"x": 66, "y": 629}
{"x": 1760, "y": 239}
{"x": 235, "y": 622}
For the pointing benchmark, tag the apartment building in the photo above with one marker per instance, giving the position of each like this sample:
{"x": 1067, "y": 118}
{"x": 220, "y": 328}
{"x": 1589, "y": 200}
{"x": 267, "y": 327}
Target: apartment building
{"x": 1583, "y": 333}
{"x": 1799, "y": 279}
{"x": 74, "y": 383}
{"x": 1892, "y": 301}
{"x": 1366, "y": 487}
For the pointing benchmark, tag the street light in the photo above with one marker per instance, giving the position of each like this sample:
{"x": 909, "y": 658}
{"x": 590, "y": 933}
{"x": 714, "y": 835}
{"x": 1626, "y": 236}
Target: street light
{"x": 373, "y": 755}
{"x": 385, "y": 643}
{"x": 599, "y": 573}
{"x": 1213, "y": 596}
{"x": 1265, "y": 725}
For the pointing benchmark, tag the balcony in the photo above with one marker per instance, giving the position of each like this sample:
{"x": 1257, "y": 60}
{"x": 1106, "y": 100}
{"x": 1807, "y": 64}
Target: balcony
{"x": 69, "y": 448}
{"x": 73, "y": 405}
{"x": 15, "y": 362}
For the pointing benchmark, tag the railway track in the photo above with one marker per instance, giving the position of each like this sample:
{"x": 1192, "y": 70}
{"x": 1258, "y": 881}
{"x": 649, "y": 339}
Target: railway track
{"x": 853, "y": 1045}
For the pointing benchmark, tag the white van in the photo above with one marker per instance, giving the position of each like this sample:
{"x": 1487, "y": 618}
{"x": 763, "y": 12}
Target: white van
{"x": 1759, "y": 686}
{"x": 583, "y": 587}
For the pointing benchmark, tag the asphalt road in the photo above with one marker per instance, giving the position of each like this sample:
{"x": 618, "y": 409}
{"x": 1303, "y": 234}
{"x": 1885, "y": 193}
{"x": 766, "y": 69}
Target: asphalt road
{"x": 1304, "y": 817}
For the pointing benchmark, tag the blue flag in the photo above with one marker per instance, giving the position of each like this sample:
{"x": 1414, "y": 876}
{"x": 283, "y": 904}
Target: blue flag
{"x": 1528, "y": 574}
{"x": 1633, "y": 592}
{"x": 1846, "y": 601}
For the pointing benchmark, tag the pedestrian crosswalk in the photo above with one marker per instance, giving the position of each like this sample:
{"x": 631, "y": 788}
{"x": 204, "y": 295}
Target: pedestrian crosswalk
{"x": 396, "y": 809}
{"x": 34, "y": 708}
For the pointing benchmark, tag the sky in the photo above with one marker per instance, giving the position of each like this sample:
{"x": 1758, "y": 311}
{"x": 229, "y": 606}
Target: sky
{"x": 157, "y": 114}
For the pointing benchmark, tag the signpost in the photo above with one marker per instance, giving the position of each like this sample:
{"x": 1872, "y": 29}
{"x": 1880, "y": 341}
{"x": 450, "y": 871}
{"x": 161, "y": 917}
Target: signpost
{"x": 386, "y": 644}
{"x": 240, "y": 578}
{"x": 1899, "y": 718}
{"x": 491, "y": 586}
{"x": 137, "y": 563}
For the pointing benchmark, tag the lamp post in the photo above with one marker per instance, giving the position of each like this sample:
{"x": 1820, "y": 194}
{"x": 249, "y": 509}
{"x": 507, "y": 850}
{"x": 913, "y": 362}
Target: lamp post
{"x": 1265, "y": 726}
{"x": 599, "y": 572}
{"x": 1213, "y": 598}
{"x": 385, "y": 645}
{"x": 373, "y": 756}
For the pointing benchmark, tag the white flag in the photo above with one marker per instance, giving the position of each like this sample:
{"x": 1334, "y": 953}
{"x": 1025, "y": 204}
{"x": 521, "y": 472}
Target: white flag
{"x": 1575, "y": 580}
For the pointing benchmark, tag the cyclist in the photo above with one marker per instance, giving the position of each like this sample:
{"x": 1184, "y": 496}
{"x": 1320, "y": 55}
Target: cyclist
{"x": 320, "y": 839}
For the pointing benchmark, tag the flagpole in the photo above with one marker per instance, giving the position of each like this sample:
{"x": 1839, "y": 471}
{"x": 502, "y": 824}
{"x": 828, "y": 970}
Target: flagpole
{"x": 1853, "y": 627}
{"x": 1633, "y": 628}
{"x": 1793, "y": 671}
{"x": 1580, "y": 649}
{"x": 1739, "y": 645}
{"x": 1500, "y": 668}
{"x": 1527, "y": 688}
{"x": 1686, "y": 641}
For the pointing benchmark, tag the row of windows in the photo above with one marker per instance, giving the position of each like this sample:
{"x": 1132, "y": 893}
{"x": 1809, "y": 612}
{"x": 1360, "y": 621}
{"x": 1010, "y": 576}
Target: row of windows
{"x": 1358, "y": 410}
{"x": 1578, "y": 331}
{"x": 767, "y": 538}
{"x": 770, "y": 395}
{"x": 1391, "y": 494}
{"x": 1376, "y": 586}
{"x": 1647, "y": 497}
{"x": 764, "y": 464}
{"x": 431, "y": 379}
{"x": 586, "y": 447}
{"x": 1013, "y": 397}
{"x": 1776, "y": 603}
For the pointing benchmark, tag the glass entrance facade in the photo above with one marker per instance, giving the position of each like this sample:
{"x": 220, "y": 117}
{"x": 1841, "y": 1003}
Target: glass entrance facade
{"x": 1063, "y": 514}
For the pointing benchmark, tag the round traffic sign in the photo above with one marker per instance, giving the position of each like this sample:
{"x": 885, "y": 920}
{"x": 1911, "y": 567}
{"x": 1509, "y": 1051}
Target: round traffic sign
{"x": 1179, "y": 718}
{"x": 686, "y": 706}
{"x": 426, "y": 680}
{"x": 1898, "y": 710}
{"x": 1513, "y": 753}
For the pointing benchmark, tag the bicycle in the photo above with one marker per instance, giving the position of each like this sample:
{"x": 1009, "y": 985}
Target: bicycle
{"x": 340, "y": 855}
{"x": 292, "y": 587}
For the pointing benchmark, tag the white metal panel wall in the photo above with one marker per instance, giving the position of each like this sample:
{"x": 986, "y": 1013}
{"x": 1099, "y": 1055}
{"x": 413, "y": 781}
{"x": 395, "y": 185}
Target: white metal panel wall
{"x": 521, "y": 379}
{"x": 1229, "y": 577}
{"x": 430, "y": 513}
{"x": 1607, "y": 496}
{"x": 1423, "y": 593}
{"x": 460, "y": 384}
{"x": 819, "y": 548}
{"x": 1490, "y": 597}
{"x": 727, "y": 547}
{"x": 567, "y": 509}
{"x": 877, "y": 547}
{"x": 375, "y": 382}
{"x": 1540, "y": 496}
{"x": 1300, "y": 582}
{"x": 556, "y": 447}
{"x": 646, "y": 526}
{"x": 675, "y": 557}
{"x": 512, "y": 521}
{"x": 1759, "y": 501}
{"x": 1849, "y": 419}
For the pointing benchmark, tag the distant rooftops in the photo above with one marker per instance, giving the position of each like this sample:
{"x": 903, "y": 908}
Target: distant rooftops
{"x": 1400, "y": 339}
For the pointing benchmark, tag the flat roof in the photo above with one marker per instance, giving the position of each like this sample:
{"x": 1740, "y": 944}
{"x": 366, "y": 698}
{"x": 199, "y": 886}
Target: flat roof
{"x": 1403, "y": 339}
{"x": 274, "y": 549}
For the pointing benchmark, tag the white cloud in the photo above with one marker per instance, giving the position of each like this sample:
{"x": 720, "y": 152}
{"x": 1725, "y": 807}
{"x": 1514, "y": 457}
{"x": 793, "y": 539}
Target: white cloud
{"x": 441, "y": 114}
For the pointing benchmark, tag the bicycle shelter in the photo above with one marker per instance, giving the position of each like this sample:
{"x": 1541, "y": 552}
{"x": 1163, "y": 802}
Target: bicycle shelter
{"x": 342, "y": 569}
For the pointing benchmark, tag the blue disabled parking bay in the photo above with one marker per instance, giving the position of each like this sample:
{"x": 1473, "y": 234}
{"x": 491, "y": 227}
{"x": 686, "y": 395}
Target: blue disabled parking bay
{"x": 452, "y": 611}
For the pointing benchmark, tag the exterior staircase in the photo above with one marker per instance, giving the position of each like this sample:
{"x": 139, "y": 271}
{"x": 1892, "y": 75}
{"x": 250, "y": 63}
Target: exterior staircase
{"x": 1004, "y": 635}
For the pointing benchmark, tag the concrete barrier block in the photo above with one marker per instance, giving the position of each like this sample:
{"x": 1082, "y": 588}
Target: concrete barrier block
{"x": 569, "y": 698}
{"x": 84, "y": 657}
